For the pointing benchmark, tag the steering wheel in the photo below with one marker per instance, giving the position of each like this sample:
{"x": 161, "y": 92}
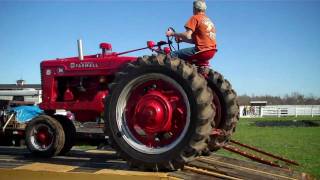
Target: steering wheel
{"x": 170, "y": 40}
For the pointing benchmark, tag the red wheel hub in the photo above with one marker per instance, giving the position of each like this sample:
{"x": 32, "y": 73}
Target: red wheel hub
{"x": 156, "y": 113}
{"x": 153, "y": 113}
{"x": 43, "y": 137}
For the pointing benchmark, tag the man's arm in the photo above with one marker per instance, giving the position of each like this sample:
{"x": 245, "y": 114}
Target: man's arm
{"x": 184, "y": 36}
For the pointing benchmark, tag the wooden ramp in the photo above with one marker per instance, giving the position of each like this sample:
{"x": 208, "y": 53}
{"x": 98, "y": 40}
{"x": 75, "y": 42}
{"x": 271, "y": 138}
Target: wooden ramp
{"x": 219, "y": 167}
{"x": 17, "y": 163}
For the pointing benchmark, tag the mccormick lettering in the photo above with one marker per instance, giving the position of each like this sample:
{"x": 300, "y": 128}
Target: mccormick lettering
{"x": 83, "y": 65}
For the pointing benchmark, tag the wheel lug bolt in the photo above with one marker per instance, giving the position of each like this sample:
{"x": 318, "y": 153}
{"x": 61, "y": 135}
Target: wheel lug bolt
{"x": 167, "y": 135}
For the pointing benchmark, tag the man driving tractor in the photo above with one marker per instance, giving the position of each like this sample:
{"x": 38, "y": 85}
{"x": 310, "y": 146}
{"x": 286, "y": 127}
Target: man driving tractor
{"x": 199, "y": 31}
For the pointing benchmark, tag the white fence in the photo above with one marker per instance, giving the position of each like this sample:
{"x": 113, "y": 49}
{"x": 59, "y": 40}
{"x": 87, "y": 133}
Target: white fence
{"x": 280, "y": 110}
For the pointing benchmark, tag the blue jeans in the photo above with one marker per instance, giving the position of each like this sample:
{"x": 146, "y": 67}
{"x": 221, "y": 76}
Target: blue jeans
{"x": 184, "y": 53}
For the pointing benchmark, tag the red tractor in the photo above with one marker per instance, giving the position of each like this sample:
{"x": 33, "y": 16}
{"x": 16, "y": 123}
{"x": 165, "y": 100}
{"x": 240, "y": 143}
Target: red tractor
{"x": 159, "y": 112}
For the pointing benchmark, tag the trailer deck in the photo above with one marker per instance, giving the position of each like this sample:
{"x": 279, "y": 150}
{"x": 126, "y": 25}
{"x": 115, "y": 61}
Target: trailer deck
{"x": 17, "y": 163}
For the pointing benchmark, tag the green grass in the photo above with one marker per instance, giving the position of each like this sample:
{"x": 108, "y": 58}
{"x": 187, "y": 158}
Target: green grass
{"x": 301, "y": 144}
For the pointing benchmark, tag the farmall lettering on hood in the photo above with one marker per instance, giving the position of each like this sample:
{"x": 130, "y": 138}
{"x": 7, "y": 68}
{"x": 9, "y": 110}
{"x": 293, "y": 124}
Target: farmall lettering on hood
{"x": 83, "y": 65}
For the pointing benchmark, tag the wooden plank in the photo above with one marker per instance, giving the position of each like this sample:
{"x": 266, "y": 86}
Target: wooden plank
{"x": 226, "y": 170}
{"x": 189, "y": 175}
{"x": 253, "y": 166}
{"x": 213, "y": 174}
{"x": 18, "y": 174}
{"x": 46, "y": 167}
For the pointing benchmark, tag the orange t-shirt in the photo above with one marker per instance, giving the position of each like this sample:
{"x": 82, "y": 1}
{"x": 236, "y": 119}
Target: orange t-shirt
{"x": 204, "y": 32}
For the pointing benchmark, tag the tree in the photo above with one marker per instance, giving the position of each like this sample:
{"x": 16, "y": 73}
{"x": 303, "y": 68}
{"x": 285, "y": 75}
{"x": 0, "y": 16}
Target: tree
{"x": 295, "y": 98}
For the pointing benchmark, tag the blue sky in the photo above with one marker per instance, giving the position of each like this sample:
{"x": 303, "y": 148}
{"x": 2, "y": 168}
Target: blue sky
{"x": 265, "y": 47}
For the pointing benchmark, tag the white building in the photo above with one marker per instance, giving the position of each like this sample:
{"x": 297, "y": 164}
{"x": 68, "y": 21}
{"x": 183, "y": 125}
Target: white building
{"x": 21, "y": 92}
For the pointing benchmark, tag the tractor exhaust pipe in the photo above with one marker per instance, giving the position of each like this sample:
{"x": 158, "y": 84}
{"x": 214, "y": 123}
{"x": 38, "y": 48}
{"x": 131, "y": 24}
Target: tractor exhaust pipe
{"x": 80, "y": 52}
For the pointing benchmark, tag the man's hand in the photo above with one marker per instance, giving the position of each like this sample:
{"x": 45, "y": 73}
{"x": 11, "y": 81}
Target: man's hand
{"x": 170, "y": 33}
{"x": 178, "y": 40}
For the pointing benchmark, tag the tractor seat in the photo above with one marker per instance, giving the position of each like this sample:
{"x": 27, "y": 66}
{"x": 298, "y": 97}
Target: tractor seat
{"x": 202, "y": 58}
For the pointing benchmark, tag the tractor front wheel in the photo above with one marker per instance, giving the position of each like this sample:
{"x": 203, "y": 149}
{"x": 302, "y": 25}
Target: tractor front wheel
{"x": 69, "y": 132}
{"x": 44, "y": 136}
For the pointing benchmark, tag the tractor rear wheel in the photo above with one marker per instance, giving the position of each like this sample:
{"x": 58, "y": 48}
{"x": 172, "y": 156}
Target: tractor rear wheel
{"x": 159, "y": 113}
{"x": 227, "y": 109}
{"x": 44, "y": 136}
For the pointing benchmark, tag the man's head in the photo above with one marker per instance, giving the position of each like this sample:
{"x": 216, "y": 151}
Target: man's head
{"x": 199, "y": 6}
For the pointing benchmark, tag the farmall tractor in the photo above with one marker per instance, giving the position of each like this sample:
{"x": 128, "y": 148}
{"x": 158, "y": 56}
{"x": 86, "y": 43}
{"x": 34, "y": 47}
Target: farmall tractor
{"x": 159, "y": 111}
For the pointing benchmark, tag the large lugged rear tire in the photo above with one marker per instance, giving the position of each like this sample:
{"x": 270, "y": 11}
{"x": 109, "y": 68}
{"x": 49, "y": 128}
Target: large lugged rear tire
{"x": 227, "y": 109}
{"x": 44, "y": 136}
{"x": 159, "y": 112}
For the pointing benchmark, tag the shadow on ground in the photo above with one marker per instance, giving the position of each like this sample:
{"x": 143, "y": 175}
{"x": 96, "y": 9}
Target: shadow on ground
{"x": 293, "y": 123}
